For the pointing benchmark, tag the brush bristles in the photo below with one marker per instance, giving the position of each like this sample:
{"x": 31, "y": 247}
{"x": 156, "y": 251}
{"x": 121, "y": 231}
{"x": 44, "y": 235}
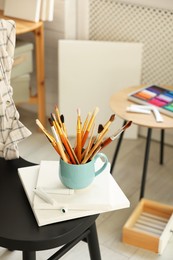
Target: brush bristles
{"x": 112, "y": 118}
{"x": 50, "y": 121}
{"x": 100, "y": 128}
{"x": 128, "y": 124}
{"x": 78, "y": 111}
{"x": 96, "y": 111}
{"x": 39, "y": 124}
{"x": 53, "y": 116}
{"x": 62, "y": 118}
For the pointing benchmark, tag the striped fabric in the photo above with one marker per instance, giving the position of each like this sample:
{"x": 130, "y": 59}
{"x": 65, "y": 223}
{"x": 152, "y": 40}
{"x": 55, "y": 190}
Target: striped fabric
{"x": 12, "y": 130}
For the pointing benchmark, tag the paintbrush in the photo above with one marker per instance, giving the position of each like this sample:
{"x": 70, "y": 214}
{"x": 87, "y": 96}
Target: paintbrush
{"x": 79, "y": 138}
{"x": 44, "y": 130}
{"x": 95, "y": 152}
{"x": 90, "y": 143}
{"x": 91, "y": 121}
{"x": 65, "y": 141}
{"x": 114, "y": 136}
{"x": 58, "y": 141}
{"x": 63, "y": 124}
{"x": 106, "y": 126}
{"x": 58, "y": 116}
{"x": 85, "y": 124}
{"x": 96, "y": 145}
{"x": 100, "y": 129}
{"x": 111, "y": 119}
{"x": 49, "y": 136}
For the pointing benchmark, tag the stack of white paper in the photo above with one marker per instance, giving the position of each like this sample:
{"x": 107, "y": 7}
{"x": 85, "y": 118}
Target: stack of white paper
{"x": 102, "y": 195}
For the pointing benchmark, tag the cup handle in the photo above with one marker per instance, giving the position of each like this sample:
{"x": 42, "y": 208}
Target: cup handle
{"x": 102, "y": 155}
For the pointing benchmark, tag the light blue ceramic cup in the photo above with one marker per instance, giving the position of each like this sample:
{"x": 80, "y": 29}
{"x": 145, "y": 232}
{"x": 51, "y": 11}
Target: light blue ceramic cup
{"x": 79, "y": 176}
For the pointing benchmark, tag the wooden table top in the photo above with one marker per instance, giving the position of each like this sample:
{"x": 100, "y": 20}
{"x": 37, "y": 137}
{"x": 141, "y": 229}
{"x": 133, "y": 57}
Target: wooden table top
{"x": 119, "y": 103}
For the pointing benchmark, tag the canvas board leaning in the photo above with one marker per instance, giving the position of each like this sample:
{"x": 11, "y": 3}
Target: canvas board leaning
{"x": 90, "y": 72}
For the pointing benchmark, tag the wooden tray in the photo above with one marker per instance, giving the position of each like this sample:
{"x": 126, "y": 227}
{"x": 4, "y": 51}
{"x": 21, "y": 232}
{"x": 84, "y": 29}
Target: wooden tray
{"x": 150, "y": 226}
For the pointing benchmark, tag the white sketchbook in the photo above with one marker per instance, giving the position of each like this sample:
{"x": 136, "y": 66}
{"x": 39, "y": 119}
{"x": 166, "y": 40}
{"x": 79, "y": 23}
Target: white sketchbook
{"x": 23, "y": 9}
{"x": 102, "y": 195}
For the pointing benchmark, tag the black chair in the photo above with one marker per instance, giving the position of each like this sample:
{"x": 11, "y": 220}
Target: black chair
{"x": 18, "y": 226}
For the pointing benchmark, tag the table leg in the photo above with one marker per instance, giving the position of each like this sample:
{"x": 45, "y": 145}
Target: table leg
{"x": 117, "y": 150}
{"x": 27, "y": 255}
{"x": 39, "y": 46}
{"x": 144, "y": 174}
{"x": 93, "y": 244}
{"x": 162, "y": 146}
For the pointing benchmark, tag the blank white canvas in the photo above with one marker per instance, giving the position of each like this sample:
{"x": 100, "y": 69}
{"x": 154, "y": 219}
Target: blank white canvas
{"x": 23, "y": 9}
{"x": 90, "y": 72}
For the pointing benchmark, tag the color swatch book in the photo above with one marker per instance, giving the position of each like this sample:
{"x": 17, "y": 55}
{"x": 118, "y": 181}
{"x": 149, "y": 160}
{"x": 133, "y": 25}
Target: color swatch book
{"x": 154, "y": 95}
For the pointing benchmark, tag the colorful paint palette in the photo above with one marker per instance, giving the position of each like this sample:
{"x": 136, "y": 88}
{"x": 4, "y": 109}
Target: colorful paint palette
{"x": 155, "y": 95}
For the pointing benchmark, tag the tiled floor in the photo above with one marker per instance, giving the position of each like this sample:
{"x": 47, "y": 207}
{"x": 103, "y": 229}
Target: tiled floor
{"x": 127, "y": 173}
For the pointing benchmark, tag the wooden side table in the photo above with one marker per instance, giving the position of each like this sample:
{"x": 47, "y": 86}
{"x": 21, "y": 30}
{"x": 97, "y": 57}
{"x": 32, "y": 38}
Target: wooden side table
{"x": 119, "y": 103}
{"x": 22, "y": 27}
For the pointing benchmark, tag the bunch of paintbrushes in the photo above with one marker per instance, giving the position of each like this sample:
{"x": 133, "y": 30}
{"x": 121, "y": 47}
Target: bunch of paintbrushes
{"x": 87, "y": 145}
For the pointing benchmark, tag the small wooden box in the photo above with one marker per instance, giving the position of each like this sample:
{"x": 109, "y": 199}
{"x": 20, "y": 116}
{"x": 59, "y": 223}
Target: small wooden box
{"x": 150, "y": 226}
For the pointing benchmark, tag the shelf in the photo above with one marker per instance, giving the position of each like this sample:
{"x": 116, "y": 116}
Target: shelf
{"x": 22, "y": 27}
